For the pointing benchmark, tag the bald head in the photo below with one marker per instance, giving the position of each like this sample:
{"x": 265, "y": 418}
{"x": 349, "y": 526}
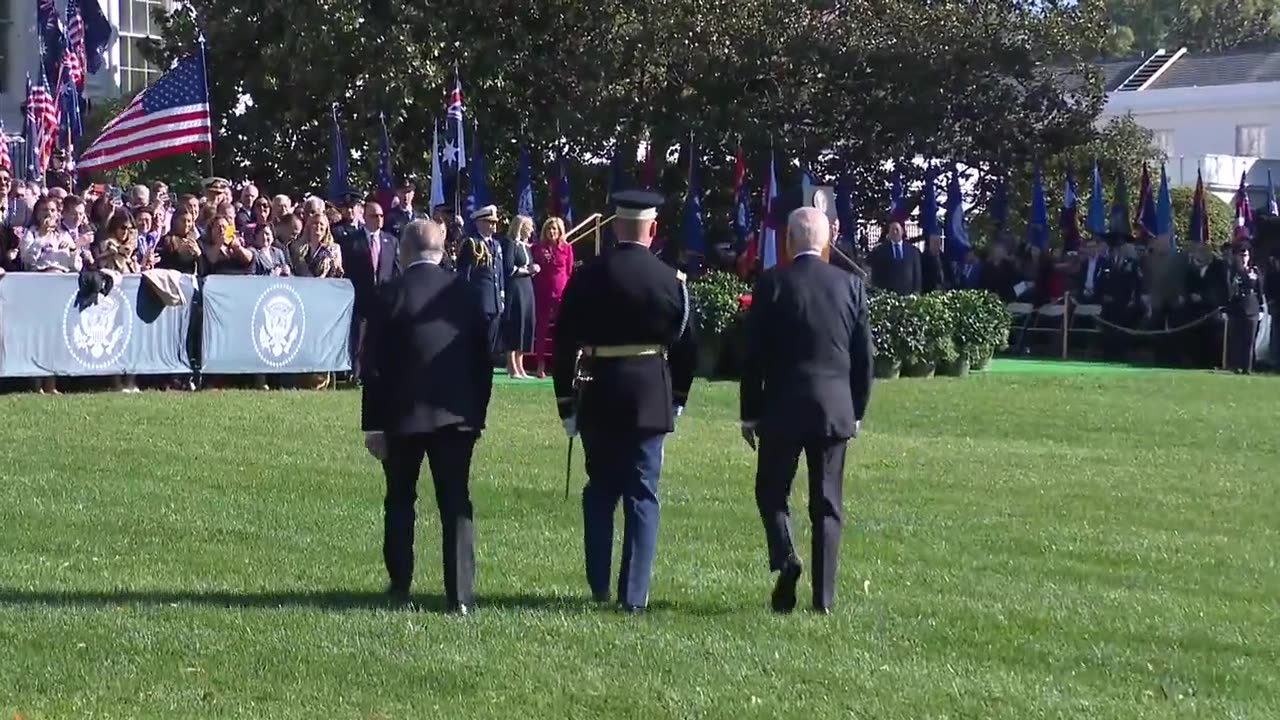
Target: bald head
{"x": 808, "y": 230}
{"x": 423, "y": 240}
{"x": 628, "y": 230}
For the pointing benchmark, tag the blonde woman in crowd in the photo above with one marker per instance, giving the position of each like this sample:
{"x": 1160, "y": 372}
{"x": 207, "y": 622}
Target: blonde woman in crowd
{"x": 517, "y": 315}
{"x": 316, "y": 254}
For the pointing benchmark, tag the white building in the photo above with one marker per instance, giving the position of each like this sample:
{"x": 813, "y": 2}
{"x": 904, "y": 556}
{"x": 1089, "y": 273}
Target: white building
{"x": 1219, "y": 113}
{"x": 125, "y": 71}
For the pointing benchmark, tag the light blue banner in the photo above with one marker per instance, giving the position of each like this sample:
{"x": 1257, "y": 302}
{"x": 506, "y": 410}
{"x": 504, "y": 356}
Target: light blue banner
{"x": 128, "y": 332}
{"x": 270, "y": 325}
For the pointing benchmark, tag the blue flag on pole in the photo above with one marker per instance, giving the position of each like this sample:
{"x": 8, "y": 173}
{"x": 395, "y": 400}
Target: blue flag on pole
{"x": 999, "y": 208}
{"x": 1164, "y": 209}
{"x": 898, "y": 211}
{"x": 97, "y": 35}
{"x": 1097, "y": 204}
{"x": 929, "y": 205}
{"x": 957, "y": 235}
{"x": 53, "y": 40}
{"x": 524, "y": 184}
{"x": 437, "y": 181}
{"x": 478, "y": 195}
{"x": 693, "y": 240}
{"x": 338, "y": 164}
{"x": 1069, "y": 216}
{"x": 1038, "y": 221}
{"x": 69, "y": 123}
{"x": 769, "y": 239}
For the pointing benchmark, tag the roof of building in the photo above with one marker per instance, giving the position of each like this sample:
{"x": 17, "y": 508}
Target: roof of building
{"x": 1194, "y": 69}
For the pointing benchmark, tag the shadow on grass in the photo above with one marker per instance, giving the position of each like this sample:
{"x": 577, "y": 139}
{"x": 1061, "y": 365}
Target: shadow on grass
{"x": 333, "y": 600}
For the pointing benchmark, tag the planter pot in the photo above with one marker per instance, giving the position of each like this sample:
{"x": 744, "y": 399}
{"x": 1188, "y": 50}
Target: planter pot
{"x": 919, "y": 370}
{"x": 955, "y": 368}
{"x": 887, "y": 369}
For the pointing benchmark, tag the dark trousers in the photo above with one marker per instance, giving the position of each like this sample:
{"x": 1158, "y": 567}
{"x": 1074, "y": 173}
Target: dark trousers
{"x": 1242, "y": 334}
{"x": 448, "y": 452}
{"x": 621, "y": 466}
{"x": 495, "y": 330}
{"x": 775, "y": 470}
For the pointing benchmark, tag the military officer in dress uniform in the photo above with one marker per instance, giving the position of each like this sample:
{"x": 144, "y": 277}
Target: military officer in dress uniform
{"x": 403, "y": 213}
{"x": 624, "y": 356}
{"x": 480, "y": 263}
{"x": 216, "y": 191}
{"x": 58, "y": 176}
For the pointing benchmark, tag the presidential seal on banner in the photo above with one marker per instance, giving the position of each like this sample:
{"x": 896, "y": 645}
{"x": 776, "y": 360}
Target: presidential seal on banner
{"x": 97, "y": 336}
{"x": 279, "y": 324}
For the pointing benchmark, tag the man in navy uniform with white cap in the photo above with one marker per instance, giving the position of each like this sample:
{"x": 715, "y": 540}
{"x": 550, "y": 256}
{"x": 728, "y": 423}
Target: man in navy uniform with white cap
{"x": 624, "y": 356}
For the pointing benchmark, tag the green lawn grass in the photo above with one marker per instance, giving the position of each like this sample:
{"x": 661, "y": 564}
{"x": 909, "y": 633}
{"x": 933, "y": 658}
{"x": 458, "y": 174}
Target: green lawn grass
{"x": 1017, "y": 546}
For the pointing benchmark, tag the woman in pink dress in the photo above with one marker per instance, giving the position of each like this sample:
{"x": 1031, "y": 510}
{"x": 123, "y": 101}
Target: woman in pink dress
{"x": 554, "y": 260}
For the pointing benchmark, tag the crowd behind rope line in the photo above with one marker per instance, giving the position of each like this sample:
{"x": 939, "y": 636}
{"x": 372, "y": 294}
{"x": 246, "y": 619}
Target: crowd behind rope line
{"x": 52, "y": 230}
{"x": 1144, "y": 298}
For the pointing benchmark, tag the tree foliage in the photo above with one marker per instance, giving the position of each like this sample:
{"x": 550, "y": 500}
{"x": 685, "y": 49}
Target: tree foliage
{"x": 1142, "y": 26}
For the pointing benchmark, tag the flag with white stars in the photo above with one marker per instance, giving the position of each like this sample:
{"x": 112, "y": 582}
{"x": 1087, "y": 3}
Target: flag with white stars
{"x": 170, "y": 116}
{"x": 454, "y": 153}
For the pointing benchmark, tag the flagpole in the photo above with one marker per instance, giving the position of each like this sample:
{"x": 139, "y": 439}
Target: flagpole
{"x": 204, "y": 69}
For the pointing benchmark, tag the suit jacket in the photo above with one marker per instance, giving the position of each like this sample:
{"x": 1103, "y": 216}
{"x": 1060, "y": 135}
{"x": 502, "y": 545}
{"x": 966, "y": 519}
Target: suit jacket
{"x": 1081, "y": 287}
{"x": 1210, "y": 284}
{"x": 904, "y": 276}
{"x": 357, "y": 259}
{"x": 430, "y": 367}
{"x": 808, "y": 367}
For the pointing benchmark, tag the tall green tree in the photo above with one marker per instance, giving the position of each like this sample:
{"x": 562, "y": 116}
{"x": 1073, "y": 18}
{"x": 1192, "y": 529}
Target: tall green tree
{"x": 1216, "y": 25}
{"x": 841, "y": 86}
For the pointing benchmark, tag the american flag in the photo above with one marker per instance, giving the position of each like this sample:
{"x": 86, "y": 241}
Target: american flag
{"x": 170, "y": 116}
{"x": 42, "y": 118}
{"x": 5, "y": 162}
{"x": 455, "y": 145}
{"x": 75, "y": 56}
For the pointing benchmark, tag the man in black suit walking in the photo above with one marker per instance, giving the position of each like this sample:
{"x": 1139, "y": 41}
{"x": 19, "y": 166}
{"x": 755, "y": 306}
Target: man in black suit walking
{"x": 895, "y": 264}
{"x": 427, "y": 393}
{"x": 371, "y": 258}
{"x": 805, "y": 386}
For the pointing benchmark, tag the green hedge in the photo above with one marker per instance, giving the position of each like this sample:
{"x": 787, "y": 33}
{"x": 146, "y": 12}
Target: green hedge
{"x": 949, "y": 331}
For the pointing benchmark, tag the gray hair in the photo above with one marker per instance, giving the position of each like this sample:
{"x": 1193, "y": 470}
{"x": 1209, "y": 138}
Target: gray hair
{"x": 808, "y": 229}
{"x": 423, "y": 239}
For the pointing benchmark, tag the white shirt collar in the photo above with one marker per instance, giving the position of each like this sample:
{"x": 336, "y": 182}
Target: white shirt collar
{"x": 802, "y": 253}
{"x": 423, "y": 261}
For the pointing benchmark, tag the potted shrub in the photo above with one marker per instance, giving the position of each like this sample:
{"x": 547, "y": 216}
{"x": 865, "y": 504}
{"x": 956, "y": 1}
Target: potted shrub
{"x": 969, "y": 332}
{"x": 936, "y": 328}
{"x": 716, "y": 312}
{"x": 910, "y": 335}
{"x": 886, "y": 312}
{"x": 995, "y": 322}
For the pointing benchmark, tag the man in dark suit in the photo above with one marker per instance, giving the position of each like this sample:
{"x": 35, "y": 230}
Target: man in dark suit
{"x": 805, "y": 387}
{"x": 427, "y": 393}
{"x": 627, "y": 313}
{"x": 370, "y": 255}
{"x": 895, "y": 264}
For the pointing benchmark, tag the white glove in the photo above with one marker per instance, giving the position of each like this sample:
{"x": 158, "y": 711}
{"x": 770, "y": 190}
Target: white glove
{"x": 570, "y": 425}
{"x": 675, "y": 415}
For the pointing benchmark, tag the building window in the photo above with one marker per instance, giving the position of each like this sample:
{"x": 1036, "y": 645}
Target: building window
{"x": 6, "y": 28}
{"x": 1163, "y": 140}
{"x": 1251, "y": 140}
{"x": 136, "y": 24}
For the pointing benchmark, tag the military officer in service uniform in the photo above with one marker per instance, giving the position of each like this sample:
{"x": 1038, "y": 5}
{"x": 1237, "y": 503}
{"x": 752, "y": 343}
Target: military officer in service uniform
{"x": 58, "y": 176}
{"x": 480, "y": 263}
{"x": 351, "y": 206}
{"x": 216, "y": 191}
{"x": 403, "y": 213}
{"x": 624, "y": 356}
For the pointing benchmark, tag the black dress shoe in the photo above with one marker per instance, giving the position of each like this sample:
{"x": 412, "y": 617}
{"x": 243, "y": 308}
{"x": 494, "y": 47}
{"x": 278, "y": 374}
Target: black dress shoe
{"x": 398, "y": 594}
{"x": 462, "y": 609}
{"x": 633, "y": 609}
{"x": 784, "y": 590}
{"x": 601, "y": 598}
